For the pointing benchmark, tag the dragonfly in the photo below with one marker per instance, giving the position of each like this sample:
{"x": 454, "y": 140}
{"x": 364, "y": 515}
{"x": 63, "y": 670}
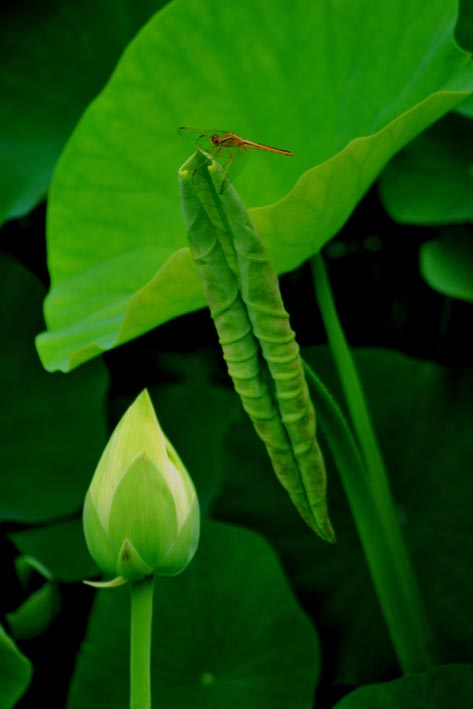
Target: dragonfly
{"x": 228, "y": 148}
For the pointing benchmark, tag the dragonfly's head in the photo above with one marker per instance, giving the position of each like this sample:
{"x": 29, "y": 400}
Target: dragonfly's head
{"x": 214, "y": 139}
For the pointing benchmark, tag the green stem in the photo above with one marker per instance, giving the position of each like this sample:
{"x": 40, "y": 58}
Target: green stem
{"x": 346, "y": 369}
{"x": 373, "y": 507}
{"x": 140, "y": 655}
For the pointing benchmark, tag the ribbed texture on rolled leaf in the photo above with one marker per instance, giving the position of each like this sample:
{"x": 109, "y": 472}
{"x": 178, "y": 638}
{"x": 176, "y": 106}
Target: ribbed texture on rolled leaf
{"x": 258, "y": 343}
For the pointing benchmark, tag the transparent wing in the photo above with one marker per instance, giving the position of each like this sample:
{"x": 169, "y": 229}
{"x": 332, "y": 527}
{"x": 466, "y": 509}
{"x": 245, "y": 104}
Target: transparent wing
{"x": 233, "y": 160}
{"x": 200, "y": 137}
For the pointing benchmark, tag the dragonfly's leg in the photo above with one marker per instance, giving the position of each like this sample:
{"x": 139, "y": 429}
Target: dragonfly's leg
{"x": 204, "y": 163}
{"x": 226, "y": 158}
{"x": 227, "y": 166}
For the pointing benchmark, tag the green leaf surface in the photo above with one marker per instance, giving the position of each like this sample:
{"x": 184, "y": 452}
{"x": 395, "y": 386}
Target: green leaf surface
{"x": 441, "y": 688}
{"x": 446, "y": 263}
{"x": 60, "y": 547}
{"x": 117, "y": 252}
{"x": 51, "y": 427}
{"x": 227, "y": 633}
{"x": 15, "y": 672}
{"x": 431, "y": 180}
{"x": 54, "y": 58}
{"x": 465, "y": 108}
{"x": 422, "y": 414}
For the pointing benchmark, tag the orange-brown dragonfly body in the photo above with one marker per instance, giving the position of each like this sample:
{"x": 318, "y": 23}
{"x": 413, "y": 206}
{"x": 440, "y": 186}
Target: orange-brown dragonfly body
{"x": 228, "y": 148}
{"x": 232, "y": 140}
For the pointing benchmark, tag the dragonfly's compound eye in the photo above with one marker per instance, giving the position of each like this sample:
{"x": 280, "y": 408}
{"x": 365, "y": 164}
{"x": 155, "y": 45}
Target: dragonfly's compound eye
{"x": 214, "y": 139}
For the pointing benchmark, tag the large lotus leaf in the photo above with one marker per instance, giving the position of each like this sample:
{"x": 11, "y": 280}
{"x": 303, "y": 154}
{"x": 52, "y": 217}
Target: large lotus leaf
{"x": 345, "y": 86}
{"x": 440, "y": 688}
{"x": 431, "y": 180}
{"x": 227, "y": 632}
{"x": 52, "y": 428}
{"x": 54, "y": 58}
{"x": 422, "y": 414}
{"x": 465, "y": 108}
{"x": 15, "y": 672}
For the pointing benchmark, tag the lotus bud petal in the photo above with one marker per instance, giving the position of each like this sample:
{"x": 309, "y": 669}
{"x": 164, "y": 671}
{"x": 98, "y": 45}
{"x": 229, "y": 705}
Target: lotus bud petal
{"x": 141, "y": 513}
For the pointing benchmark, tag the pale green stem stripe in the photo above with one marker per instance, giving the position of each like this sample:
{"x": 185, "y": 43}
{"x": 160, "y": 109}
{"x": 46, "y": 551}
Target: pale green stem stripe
{"x": 140, "y": 643}
{"x": 367, "y": 488}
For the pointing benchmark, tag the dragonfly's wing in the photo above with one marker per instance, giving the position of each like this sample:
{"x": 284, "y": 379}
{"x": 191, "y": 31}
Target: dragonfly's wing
{"x": 194, "y": 134}
{"x": 233, "y": 160}
{"x": 199, "y": 137}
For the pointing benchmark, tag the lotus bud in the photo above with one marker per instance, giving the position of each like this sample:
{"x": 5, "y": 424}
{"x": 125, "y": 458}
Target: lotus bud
{"x": 141, "y": 513}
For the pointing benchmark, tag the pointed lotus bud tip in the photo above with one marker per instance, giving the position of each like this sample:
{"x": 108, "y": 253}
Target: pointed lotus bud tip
{"x": 141, "y": 513}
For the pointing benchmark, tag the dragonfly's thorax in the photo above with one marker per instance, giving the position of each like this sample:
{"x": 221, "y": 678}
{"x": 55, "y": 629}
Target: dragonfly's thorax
{"x": 228, "y": 140}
